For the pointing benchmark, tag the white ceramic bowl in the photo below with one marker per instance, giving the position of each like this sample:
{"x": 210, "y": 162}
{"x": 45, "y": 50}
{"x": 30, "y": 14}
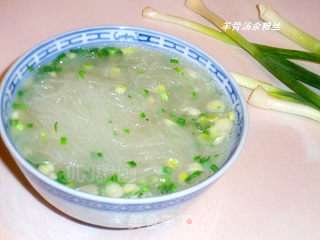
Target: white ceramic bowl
{"x": 117, "y": 212}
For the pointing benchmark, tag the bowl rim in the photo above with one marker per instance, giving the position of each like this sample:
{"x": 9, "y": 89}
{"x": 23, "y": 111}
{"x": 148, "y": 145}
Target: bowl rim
{"x": 109, "y": 200}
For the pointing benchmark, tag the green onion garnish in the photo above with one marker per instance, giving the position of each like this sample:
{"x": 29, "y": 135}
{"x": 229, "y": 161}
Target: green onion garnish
{"x": 18, "y": 106}
{"x": 63, "y": 140}
{"x": 181, "y": 121}
{"x": 100, "y": 154}
{"x": 132, "y": 164}
{"x": 81, "y": 73}
{"x": 31, "y": 68}
{"x": 167, "y": 188}
{"x": 29, "y": 125}
{"x": 126, "y": 130}
{"x": 19, "y": 126}
{"x": 173, "y": 115}
{"x": 110, "y": 121}
{"x": 140, "y": 71}
{"x": 113, "y": 178}
{"x": 193, "y": 95}
{"x": 166, "y": 170}
{"x": 177, "y": 69}
{"x": 214, "y": 167}
{"x": 58, "y": 59}
{"x": 143, "y": 190}
{"x": 56, "y": 126}
{"x": 20, "y": 93}
{"x": 46, "y": 68}
{"x": 144, "y": 92}
{"x": 192, "y": 176}
{"x": 78, "y": 51}
{"x": 62, "y": 177}
{"x": 164, "y": 96}
{"x": 143, "y": 115}
{"x": 173, "y": 60}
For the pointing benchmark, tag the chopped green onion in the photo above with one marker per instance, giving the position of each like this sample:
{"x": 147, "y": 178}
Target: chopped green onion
{"x": 113, "y": 178}
{"x": 115, "y": 51}
{"x": 43, "y": 134}
{"x": 166, "y": 170}
{"x": 20, "y": 93}
{"x": 204, "y": 160}
{"x": 62, "y": 177}
{"x": 143, "y": 115}
{"x": 100, "y": 154}
{"x": 144, "y": 92}
{"x": 216, "y": 155}
{"x": 110, "y": 121}
{"x": 46, "y": 68}
{"x": 93, "y": 50}
{"x": 78, "y": 51}
{"x": 173, "y": 115}
{"x": 140, "y": 71}
{"x": 106, "y": 51}
{"x": 19, "y": 126}
{"x": 56, "y": 126}
{"x": 173, "y": 60}
{"x": 193, "y": 95}
{"x": 29, "y": 125}
{"x": 126, "y": 130}
{"x": 164, "y": 180}
{"x": 177, "y": 69}
{"x": 167, "y": 188}
{"x": 192, "y": 176}
{"x": 214, "y": 167}
{"x": 81, "y": 73}
{"x": 18, "y": 106}
{"x": 87, "y": 66}
{"x": 143, "y": 190}
{"x": 197, "y": 158}
{"x": 164, "y": 96}
{"x": 58, "y": 59}
{"x": 181, "y": 121}
{"x": 63, "y": 140}
{"x": 132, "y": 164}
{"x": 31, "y": 68}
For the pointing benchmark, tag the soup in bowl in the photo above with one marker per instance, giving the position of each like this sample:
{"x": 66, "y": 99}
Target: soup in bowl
{"x": 109, "y": 123}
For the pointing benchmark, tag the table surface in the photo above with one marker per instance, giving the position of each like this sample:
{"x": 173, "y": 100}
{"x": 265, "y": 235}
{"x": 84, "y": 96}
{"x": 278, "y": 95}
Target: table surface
{"x": 271, "y": 192}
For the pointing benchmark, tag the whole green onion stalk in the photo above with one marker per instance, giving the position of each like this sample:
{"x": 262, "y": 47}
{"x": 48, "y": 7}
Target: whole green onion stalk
{"x": 279, "y": 66}
{"x": 289, "y": 30}
{"x": 151, "y": 13}
{"x": 269, "y": 97}
{"x": 260, "y": 98}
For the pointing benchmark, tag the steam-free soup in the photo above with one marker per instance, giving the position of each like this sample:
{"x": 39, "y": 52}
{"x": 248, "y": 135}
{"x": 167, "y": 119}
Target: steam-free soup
{"x": 122, "y": 122}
